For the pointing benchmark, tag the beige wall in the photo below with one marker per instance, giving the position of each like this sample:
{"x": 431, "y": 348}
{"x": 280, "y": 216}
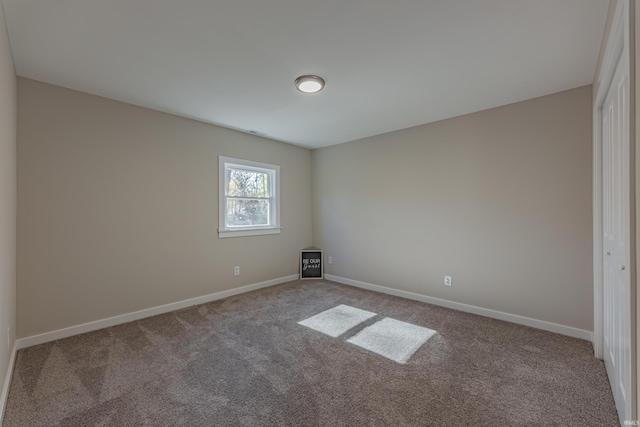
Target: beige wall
{"x": 8, "y": 120}
{"x": 636, "y": 145}
{"x": 500, "y": 200}
{"x": 118, "y": 209}
{"x": 613, "y": 4}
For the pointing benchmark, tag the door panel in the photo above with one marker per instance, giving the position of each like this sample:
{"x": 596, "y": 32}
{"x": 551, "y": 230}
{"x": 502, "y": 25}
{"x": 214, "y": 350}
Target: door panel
{"x": 615, "y": 259}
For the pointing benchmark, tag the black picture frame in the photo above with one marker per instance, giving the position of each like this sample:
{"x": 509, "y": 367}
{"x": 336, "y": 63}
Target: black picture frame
{"x": 311, "y": 264}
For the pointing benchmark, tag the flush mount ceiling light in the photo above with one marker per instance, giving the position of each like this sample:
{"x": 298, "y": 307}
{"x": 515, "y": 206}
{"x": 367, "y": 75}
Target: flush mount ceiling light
{"x": 309, "y": 84}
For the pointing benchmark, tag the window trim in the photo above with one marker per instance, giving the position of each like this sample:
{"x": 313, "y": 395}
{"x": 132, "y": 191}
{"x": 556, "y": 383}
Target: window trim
{"x": 274, "y": 205}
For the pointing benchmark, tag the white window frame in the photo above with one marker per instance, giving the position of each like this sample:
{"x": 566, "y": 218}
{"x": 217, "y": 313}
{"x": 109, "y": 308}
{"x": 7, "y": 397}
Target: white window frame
{"x": 273, "y": 171}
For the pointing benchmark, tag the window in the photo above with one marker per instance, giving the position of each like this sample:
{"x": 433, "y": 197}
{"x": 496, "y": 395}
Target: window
{"x": 249, "y": 198}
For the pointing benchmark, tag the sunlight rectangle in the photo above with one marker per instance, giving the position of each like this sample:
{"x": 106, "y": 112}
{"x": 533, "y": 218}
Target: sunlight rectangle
{"x": 392, "y": 339}
{"x": 338, "y": 320}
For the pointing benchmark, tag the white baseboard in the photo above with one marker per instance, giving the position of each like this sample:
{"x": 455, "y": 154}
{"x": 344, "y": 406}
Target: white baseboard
{"x": 137, "y": 315}
{"x": 7, "y": 382}
{"x": 513, "y": 318}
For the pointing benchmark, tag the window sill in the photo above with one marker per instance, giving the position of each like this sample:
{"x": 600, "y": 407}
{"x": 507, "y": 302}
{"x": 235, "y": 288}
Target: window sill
{"x": 223, "y": 234}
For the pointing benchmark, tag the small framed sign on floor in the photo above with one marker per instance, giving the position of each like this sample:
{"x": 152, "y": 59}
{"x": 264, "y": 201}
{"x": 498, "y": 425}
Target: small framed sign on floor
{"x": 311, "y": 264}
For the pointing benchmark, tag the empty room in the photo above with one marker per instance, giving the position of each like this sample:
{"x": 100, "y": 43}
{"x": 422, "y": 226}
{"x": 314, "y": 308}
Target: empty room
{"x": 408, "y": 213}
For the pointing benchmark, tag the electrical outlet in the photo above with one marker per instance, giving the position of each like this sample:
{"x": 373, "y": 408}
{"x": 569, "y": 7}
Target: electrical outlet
{"x": 236, "y": 270}
{"x": 8, "y": 338}
{"x": 330, "y": 260}
{"x": 447, "y": 280}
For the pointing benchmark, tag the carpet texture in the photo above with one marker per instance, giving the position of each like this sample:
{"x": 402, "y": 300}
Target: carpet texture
{"x": 245, "y": 361}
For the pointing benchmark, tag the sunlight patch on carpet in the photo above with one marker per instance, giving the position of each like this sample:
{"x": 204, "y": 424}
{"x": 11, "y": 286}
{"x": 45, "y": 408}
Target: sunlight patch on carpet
{"x": 337, "y": 320}
{"x": 392, "y": 339}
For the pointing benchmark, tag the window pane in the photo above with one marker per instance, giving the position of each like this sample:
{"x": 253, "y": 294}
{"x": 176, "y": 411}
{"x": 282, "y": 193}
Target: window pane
{"x": 243, "y": 212}
{"x": 247, "y": 183}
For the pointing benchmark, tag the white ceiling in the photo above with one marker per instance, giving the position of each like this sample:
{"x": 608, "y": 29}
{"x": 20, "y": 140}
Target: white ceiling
{"x": 388, "y": 64}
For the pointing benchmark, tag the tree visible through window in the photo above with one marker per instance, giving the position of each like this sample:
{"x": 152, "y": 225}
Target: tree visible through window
{"x": 248, "y": 198}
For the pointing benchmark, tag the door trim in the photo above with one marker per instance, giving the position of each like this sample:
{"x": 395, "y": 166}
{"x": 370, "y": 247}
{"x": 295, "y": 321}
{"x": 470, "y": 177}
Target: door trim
{"x": 614, "y": 49}
{"x": 620, "y": 42}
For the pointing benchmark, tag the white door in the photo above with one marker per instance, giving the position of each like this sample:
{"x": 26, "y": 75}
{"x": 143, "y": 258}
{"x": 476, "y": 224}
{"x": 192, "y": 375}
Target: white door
{"x": 616, "y": 256}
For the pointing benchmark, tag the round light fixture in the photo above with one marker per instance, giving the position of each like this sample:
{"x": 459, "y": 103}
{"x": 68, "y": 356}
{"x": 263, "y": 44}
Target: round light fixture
{"x": 309, "y": 84}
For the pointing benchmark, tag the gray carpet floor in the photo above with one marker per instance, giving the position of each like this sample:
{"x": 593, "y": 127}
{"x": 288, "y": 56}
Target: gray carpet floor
{"x": 245, "y": 361}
